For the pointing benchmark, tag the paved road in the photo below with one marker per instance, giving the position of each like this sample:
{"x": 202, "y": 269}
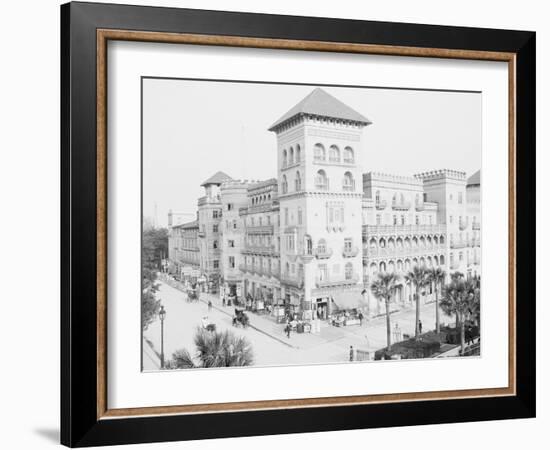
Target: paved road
{"x": 330, "y": 345}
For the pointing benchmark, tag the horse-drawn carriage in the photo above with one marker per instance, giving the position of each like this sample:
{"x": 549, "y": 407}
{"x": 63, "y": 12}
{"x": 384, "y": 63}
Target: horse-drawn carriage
{"x": 240, "y": 318}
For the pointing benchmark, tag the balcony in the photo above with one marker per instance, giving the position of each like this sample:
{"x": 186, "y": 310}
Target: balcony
{"x": 463, "y": 224}
{"x": 380, "y": 230}
{"x": 461, "y": 243}
{"x": 259, "y": 250}
{"x": 202, "y": 234}
{"x": 260, "y": 229}
{"x": 350, "y": 252}
{"x": 290, "y": 280}
{"x": 419, "y": 207}
{"x": 405, "y": 206}
{"x": 348, "y": 186}
{"x": 381, "y": 204}
{"x": 475, "y": 242}
{"x": 327, "y": 282}
{"x": 476, "y": 226}
{"x": 322, "y": 253}
{"x": 392, "y": 252}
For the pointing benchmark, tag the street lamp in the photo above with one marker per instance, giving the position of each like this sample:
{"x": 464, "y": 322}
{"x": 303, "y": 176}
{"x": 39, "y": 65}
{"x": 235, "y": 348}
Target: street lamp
{"x": 162, "y": 316}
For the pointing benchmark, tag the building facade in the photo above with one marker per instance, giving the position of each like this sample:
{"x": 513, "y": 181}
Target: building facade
{"x": 314, "y": 237}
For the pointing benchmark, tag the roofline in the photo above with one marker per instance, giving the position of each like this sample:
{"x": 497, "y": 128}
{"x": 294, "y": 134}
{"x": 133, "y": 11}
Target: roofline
{"x": 277, "y": 125}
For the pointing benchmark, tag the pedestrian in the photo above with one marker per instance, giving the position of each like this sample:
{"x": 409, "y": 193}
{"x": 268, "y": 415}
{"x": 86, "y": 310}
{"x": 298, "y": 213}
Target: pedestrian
{"x": 351, "y": 353}
{"x": 287, "y": 330}
{"x": 419, "y": 326}
{"x": 360, "y": 319}
{"x": 223, "y": 300}
{"x": 209, "y": 305}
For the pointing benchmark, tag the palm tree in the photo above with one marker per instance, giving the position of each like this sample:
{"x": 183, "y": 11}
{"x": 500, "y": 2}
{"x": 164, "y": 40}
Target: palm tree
{"x": 383, "y": 287}
{"x": 217, "y": 349}
{"x": 418, "y": 277}
{"x": 436, "y": 275}
{"x": 461, "y": 297}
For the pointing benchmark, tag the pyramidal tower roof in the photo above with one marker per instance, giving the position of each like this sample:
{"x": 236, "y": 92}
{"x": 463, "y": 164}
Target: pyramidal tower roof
{"x": 218, "y": 178}
{"x": 322, "y": 104}
{"x": 475, "y": 179}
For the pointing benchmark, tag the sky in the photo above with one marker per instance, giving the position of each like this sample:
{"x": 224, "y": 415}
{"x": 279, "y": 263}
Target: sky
{"x": 192, "y": 129}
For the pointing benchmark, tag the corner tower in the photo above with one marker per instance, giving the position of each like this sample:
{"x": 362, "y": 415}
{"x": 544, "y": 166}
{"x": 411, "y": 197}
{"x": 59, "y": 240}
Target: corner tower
{"x": 319, "y": 142}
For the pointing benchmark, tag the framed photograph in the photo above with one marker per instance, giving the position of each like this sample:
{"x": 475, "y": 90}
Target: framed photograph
{"x": 276, "y": 224}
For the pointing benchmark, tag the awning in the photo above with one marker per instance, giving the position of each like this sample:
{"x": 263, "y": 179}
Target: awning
{"x": 349, "y": 300}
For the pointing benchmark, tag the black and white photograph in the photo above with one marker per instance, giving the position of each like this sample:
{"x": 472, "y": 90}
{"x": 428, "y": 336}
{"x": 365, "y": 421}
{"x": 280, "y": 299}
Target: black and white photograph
{"x": 293, "y": 224}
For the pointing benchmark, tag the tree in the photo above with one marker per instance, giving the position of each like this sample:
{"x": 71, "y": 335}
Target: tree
{"x": 214, "y": 349}
{"x": 383, "y": 287}
{"x": 154, "y": 246}
{"x": 436, "y": 275}
{"x": 418, "y": 277}
{"x": 461, "y": 297}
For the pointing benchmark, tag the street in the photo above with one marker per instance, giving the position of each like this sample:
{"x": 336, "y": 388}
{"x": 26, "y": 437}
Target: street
{"x": 270, "y": 344}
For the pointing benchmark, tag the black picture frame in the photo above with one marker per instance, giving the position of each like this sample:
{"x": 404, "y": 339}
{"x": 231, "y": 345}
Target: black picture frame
{"x": 80, "y": 425}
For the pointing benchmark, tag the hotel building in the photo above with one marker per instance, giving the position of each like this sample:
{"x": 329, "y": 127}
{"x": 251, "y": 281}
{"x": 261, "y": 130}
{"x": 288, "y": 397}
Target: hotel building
{"x": 315, "y": 237}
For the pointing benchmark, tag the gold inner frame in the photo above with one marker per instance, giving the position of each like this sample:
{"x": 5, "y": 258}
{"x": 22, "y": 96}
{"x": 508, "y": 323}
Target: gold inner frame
{"x": 104, "y": 35}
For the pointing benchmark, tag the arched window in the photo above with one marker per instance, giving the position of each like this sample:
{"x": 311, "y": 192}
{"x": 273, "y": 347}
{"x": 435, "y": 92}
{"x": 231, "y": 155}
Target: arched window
{"x": 284, "y": 185}
{"x": 334, "y": 154}
{"x": 321, "y": 181}
{"x": 298, "y": 182}
{"x": 377, "y": 197}
{"x": 348, "y": 183}
{"x": 319, "y": 152}
{"x": 298, "y": 153}
{"x": 349, "y": 271}
{"x": 348, "y": 155}
{"x": 322, "y": 246}
{"x": 291, "y": 156}
{"x": 284, "y": 158}
{"x": 394, "y": 199}
{"x": 308, "y": 244}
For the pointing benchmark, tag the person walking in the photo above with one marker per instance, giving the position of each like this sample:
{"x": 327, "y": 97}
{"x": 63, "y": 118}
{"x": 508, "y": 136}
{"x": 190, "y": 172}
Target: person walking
{"x": 420, "y": 326}
{"x": 223, "y": 300}
{"x": 351, "y": 353}
{"x": 287, "y": 330}
{"x": 209, "y": 305}
{"x": 360, "y": 318}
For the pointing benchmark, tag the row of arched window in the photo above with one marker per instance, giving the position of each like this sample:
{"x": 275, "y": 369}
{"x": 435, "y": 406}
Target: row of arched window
{"x": 321, "y": 182}
{"x": 261, "y": 199}
{"x": 320, "y": 154}
{"x": 290, "y": 157}
{"x": 398, "y": 199}
{"x": 406, "y": 242}
{"x": 407, "y": 264}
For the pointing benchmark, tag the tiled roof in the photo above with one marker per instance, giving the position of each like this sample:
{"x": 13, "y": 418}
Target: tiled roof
{"x": 475, "y": 179}
{"x": 320, "y": 103}
{"x": 187, "y": 225}
{"x": 218, "y": 178}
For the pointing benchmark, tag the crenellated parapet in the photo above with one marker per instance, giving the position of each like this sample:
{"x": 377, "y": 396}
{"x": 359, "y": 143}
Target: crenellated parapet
{"x": 441, "y": 174}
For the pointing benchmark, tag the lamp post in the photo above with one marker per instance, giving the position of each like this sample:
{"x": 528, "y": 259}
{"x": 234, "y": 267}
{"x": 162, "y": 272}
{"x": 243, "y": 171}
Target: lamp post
{"x": 162, "y": 316}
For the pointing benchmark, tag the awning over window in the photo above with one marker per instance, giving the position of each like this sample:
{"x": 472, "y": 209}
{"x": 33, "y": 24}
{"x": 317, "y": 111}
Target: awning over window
{"x": 349, "y": 300}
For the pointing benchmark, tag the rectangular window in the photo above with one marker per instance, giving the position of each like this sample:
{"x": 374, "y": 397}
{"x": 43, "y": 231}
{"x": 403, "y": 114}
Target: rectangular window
{"x": 216, "y": 264}
{"x": 231, "y": 262}
{"x": 234, "y": 224}
{"x": 323, "y": 273}
{"x": 215, "y": 228}
{"x": 395, "y": 220}
{"x": 378, "y": 219}
{"x": 347, "y": 244}
{"x": 402, "y": 220}
{"x": 231, "y": 243}
{"x": 450, "y": 219}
